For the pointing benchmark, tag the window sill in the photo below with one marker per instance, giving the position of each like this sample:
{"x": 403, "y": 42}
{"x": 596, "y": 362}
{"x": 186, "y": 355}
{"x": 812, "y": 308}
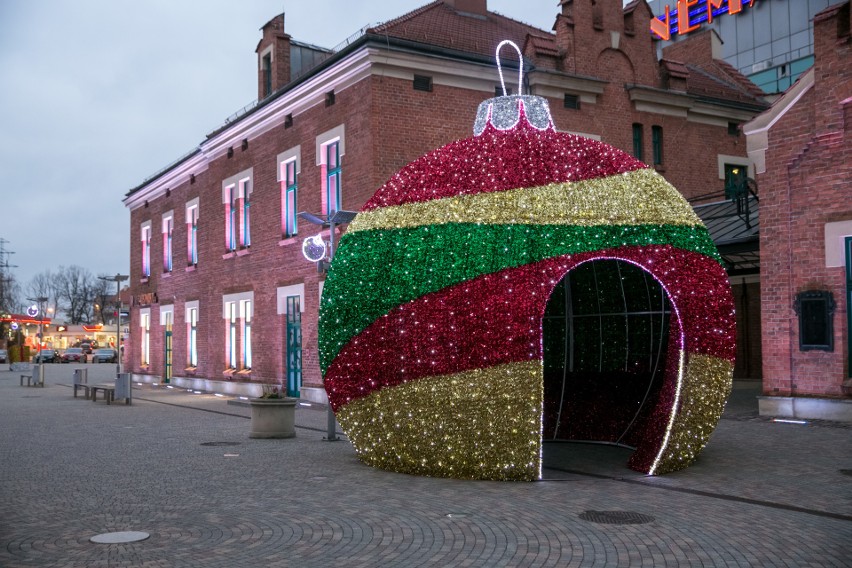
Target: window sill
{"x": 190, "y": 370}
{"x": 143, "y": 280}
{"x": 191, "y": 268}
{"x": 287, "y": 241}
{"x": 167, "y": 274}
{"x": 243, "y": 252}
{"x": 659, "y": 167}
{"x": 228, "y": 255}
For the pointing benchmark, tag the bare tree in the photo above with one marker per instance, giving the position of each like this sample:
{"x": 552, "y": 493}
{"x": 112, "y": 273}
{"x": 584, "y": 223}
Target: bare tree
{"x": 102, "y": 298}
{"x": 75, "y": 287}
{"x": 45, "y": 285}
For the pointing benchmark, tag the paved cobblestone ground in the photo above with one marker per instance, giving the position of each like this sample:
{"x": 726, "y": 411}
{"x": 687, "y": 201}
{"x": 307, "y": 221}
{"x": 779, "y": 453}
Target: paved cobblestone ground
{"x": 763, "y": 494}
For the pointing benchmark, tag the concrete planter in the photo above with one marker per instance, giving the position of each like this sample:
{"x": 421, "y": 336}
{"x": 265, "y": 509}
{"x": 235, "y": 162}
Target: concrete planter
{"x": 273, "y": 417}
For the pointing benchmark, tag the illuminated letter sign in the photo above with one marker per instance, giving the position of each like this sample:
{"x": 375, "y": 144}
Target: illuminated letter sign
{"x": 690, "y": 14}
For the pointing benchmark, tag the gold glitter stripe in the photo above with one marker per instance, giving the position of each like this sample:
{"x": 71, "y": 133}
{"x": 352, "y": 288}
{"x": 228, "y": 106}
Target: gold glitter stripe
{"x": 640, "y": 197}
{"x": 478, "y": 424}
{"x": 706, "y": 386}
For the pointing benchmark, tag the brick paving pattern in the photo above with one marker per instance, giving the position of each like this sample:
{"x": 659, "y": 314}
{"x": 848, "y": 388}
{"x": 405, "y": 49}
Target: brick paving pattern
{"x": 762, "y": 494}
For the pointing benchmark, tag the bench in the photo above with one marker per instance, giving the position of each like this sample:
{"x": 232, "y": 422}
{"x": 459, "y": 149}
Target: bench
{"x": 120, "y": 388}
{"x": 35, "y": 378}
{"x": 108, "y": 391}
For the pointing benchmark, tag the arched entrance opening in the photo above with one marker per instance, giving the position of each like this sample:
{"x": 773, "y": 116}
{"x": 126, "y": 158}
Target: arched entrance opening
{"x": 606, "y": 344}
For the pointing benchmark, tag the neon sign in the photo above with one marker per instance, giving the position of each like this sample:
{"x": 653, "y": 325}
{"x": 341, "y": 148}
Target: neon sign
{"x": 690, "y": 14}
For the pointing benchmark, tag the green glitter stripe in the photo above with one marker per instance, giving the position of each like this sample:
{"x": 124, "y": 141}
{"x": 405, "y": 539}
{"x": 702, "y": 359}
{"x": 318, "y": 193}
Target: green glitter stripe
{"x": 375, "y": 271}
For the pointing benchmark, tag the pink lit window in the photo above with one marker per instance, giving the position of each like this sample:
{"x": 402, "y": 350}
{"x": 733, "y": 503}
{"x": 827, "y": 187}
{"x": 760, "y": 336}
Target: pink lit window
{"x": 146, "y": 250}
{"x": 192, "y": 235}
{"x": 168, "y": 230}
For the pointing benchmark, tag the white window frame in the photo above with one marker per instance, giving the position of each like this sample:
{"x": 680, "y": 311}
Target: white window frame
{"x": 145, "y": 336}
{"x": 145, "y": 236}
{"x": 192, "y": 217}
{"x": 168, "y": 240}
{"x": 235, "y": 193}
{"x": 336, "y": 134}
{"x": 283, "y": 292}
{"x": 283, "y": 160}
{"x": 191, "y": 338}
{"x": 238, "y": 311}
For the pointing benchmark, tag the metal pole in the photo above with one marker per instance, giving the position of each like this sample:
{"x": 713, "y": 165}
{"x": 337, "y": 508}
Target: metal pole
{"x": 331, "y": 433}
{"x": 117, "y": 327}
{"x": 118, "y": 279}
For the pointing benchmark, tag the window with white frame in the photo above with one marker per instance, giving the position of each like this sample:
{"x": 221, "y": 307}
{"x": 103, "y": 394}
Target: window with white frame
{"x": 192, "y": 333}
{"x": 192, "y": 232}
{"x": 168, "y": 233}
{"x": 237, "y": 311}
{"x": 145, "y": 234}
{"x": 231, "y": 340}
{"x": 145, "y": 336}
{"x": 288, "y": 176}
{"x": 236, "y": 193}
{"x": 330, "y": 150}
{"x": 246, "y": 309}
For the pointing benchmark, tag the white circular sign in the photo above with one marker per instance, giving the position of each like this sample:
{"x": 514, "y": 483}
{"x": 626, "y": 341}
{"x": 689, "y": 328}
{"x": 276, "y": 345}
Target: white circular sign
{"x": 32, "y": 311}
{"x": 314, "y": 248}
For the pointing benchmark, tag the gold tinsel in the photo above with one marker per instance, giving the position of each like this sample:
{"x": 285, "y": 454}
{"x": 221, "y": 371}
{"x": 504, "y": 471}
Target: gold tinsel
{"x": 640, "y": 197}
{"x": 479, "y": 424}
{"x": 706, "y": 386}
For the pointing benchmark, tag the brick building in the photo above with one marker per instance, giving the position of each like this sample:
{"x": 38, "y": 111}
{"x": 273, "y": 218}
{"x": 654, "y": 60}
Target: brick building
{"x": 221, "y": 290}
{"x": 802, "y": 148}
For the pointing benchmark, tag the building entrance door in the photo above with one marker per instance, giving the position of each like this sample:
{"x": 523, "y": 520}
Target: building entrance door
{"x": 293, "y": 351}
{"x": 849, "y": 306}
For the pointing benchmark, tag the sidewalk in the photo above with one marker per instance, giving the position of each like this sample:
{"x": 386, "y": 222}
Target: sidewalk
{"x": 180, "y": 467}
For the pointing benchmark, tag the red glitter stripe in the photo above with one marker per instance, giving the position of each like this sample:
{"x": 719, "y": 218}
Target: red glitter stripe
{"x": 496, "y": 319}
{"x": 502, "y": 160}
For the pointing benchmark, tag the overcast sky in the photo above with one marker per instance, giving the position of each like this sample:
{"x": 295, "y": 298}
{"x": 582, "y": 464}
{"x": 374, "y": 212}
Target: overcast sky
{"x": 97, "y": 95}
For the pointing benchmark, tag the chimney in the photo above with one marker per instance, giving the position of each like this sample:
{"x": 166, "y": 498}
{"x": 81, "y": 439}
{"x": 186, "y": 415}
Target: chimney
{"x": 478, "y": 7}
{"x": 273, "y": 58}
{"x": 832, "y": 66}
{"x": 700, "y": 48}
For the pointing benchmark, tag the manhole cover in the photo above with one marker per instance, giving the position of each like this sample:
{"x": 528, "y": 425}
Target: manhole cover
{"x": 220, "y": 443}
{"x": 846, "y": 471}
{"x": 616, "y": 517}
{"x": 119, "y": 537}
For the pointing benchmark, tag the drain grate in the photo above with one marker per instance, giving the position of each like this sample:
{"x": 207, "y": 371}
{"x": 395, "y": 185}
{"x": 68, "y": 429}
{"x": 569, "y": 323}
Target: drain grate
{"x": 217, "y": 444}
{"x": 846, "y": 471}
{"x": 616, "y": 517}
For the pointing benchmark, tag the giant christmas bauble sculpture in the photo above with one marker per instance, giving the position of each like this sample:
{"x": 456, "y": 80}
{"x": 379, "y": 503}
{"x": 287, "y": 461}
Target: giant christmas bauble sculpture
{"x": 431, "y": 317}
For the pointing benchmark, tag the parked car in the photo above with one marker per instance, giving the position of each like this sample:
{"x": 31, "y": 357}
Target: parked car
{"x": 73, "y": 355}
{"x": 4, "y": 356}
{"x": 88, "y": 346}
{"x": 46, "y": 356}
{"x": 104, "y": 356}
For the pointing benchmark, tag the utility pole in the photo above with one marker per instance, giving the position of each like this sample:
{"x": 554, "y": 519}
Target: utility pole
{"x": 5, "y": 278}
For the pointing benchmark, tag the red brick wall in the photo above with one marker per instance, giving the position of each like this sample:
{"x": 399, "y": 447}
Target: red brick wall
{"x": 806, "y": 185}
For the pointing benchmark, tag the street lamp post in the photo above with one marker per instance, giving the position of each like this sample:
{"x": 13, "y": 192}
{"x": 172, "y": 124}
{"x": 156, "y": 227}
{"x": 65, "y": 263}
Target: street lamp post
{"x": 39, "y": 309}
{"x": 331, "y": 221}
{"x": 118, "y": 279}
